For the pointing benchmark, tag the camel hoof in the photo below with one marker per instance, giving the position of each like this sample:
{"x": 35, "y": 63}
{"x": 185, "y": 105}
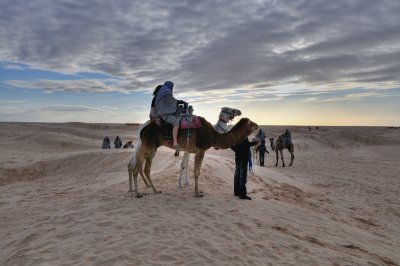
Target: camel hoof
{"x": 130, "y": 194}
{"x": 199, "y": 194}
{"x": 139, "y": 195}
{"x": 159, "y": 192}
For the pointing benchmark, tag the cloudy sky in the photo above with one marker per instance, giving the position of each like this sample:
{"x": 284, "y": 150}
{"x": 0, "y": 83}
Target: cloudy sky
{"x": 297, "y": 62}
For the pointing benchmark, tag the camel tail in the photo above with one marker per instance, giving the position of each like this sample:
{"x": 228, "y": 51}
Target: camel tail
{"x": 137, "y": 145}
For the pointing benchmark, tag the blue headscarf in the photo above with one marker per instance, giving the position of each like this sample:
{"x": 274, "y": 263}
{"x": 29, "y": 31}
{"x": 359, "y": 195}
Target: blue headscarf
{"x": 164, "y": 90}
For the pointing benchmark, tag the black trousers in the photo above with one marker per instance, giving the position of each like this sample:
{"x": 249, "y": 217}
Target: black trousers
{"x": 261, "y": 158}
{"x": 240, "y": 178}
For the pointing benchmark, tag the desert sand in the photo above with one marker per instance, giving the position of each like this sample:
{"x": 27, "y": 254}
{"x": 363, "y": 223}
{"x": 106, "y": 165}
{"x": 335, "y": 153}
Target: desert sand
{"x": 65, "y": 201}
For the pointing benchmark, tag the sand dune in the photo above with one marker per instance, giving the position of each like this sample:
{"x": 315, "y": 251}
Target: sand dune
{"x": 64, "y": 201}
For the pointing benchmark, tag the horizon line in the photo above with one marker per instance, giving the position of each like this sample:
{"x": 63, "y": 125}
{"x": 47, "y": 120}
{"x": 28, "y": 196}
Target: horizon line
{"x": 137, "y": 123}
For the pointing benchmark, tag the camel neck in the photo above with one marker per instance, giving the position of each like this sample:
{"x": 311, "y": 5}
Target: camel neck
{"x": 230, "y": 138}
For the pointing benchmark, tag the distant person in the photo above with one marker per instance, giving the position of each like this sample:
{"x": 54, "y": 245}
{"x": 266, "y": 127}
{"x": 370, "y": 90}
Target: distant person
{"x": 128, "y": 145}
{"x": 309, "y": 128}
{"x": 106, "y": 143}
{"x": 262, "y": 149}
{"x": 117, "y": 143}
{"x": 250, "y": 162}
{"x": 287, "y": 137}
{"x": 261, "y": 135}
{"x": 241, "y": 160}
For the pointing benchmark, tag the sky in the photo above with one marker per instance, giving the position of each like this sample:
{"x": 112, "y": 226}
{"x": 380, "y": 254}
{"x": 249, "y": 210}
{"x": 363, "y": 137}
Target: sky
{"x": 294, "y": 62}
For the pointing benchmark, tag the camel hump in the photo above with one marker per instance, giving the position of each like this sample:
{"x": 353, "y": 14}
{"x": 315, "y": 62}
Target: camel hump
{"x": 145, "y": 126}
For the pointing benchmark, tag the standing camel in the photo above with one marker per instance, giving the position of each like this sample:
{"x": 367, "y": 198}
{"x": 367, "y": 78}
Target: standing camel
{"x": 279, "y": 145}
{"x": 201, "y": 139}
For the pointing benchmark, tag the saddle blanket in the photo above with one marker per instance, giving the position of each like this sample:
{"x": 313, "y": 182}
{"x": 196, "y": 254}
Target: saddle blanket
{"x": 196, "y": 123}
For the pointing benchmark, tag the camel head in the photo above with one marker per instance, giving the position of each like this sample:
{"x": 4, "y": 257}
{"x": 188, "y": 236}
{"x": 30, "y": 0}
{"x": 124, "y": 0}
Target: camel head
{"x": 271, "y": 140}
{"x": 250, "y": 125}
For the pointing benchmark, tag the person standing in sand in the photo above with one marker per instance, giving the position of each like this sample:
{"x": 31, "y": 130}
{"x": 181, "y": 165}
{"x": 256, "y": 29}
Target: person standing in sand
{"x": 106, "y": 143}
{"x": 117, "y": 142}
{"x": 241, "y": 160}
{"x": 262, "y": 149}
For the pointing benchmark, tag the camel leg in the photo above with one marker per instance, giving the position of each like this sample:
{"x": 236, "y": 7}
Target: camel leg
{"x": 198, "y": 159}
{"x": 187, "y": 172}
{"x": 130, "y": 172}
{"x": 134, "y": 163}
{"x": 256, "y": 157}
{"x": 292, "y": 158}
{"x": 184, "y": 169}
{"x": 283, "y": 162}
{"x": 135, "y": 172}
{"x": 131, "y": 166}
{"x": 143, "y": 177}
{"x": 132, "y": 169}
{"x": 147, "y": 168}
{"x": 277, "y": 157}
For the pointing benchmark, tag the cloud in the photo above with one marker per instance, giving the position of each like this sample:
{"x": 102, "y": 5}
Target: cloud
{"x": 13, "y": 102}
{"x": 348, "y": 95}
{"x": 80, "y": 85}
{"x": 68, "y": 108}
{"x": 204, "y": 45}
{"x": 49, "y": 112}
{"x": 10, "y": 66}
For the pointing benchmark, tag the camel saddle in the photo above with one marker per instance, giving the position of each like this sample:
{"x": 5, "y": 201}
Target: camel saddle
{"x": 166, "y": 128}
{"x": 194, "y": 123}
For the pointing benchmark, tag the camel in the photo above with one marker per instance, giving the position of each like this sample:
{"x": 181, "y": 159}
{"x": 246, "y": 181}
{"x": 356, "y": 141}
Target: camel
{"x": 259, "y": 136}
{"x": 254, "y": 153}
{"x": 201, "y": 139}
{"x": 279, "y": 145}
{"x": 227, "y": 114}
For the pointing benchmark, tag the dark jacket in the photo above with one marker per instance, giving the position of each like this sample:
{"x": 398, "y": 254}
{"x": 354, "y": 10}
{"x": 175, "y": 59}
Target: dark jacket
{"x": 262, "y": 149}
{"x": 242, "y": 149}
{"x": 287, "y": 135}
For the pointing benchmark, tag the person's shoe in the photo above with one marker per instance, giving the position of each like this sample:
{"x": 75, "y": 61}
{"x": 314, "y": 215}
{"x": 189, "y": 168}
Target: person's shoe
{"x": 244, "y": 197}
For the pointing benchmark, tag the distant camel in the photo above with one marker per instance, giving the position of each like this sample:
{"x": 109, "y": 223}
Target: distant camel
{"x": 279, "y": 145}
{"x": 253, "y": 149}
{"x": 201, "y": 139}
